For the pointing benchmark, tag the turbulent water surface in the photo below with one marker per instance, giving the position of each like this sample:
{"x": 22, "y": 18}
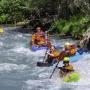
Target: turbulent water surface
{"x": 18, "y": 70}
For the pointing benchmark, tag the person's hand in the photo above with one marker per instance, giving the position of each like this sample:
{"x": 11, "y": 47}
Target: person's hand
{"x": 47, "y": 53}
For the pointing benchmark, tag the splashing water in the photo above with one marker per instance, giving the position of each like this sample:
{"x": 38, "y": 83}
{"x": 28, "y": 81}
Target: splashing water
{"x": 18, "y": 70}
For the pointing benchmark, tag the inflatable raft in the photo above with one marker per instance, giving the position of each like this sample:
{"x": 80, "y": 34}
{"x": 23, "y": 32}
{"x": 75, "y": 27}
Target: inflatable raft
{"x": 36, "y": 48}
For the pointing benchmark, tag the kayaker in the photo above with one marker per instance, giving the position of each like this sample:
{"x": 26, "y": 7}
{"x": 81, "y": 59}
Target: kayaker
{"x": 52, "y": 56}
{"x": 67, "y": 68}
{"x": 70, "y": 49}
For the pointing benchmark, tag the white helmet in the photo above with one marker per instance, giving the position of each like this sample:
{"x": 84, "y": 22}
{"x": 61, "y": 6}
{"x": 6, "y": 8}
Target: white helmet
{"x": 67, "y": 44}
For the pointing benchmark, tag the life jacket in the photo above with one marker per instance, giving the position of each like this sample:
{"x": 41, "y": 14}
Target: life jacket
{"x": 33, "y": 37}
{"x": 69, "y": 68}
{"x": 43, "y": 39}
{"x": 55, "y": 53}
{"x": 73, "y": 50}
{"x": 38, "y": 37}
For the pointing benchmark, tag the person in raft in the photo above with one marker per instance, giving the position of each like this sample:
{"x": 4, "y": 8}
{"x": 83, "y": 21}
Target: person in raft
{"x": 52, "y": 56}
{"x": 38, "y": 39}
{"x": 39, "y": 31}
{"x": 69, "y": 49}
{"x": 67, "y": 68}
{"x": 41, "y": 38}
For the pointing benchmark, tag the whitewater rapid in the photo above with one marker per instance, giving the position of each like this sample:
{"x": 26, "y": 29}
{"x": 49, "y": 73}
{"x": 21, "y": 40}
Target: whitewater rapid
{"x": 18, "y": 70}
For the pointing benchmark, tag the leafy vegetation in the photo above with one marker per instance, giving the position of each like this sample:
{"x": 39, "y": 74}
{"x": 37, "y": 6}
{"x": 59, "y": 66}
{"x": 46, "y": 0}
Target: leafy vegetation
{"x": 75, "y": 27}
{"x": 65, "y": 16}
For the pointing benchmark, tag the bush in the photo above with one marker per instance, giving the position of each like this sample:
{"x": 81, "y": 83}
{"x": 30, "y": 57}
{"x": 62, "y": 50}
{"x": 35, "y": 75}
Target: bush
{"x": 3, "y": 18}
{"x": 76, "y": 26}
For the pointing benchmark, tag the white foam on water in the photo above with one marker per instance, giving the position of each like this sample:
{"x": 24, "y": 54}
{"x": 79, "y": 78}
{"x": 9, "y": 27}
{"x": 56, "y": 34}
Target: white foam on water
{"x": 10, "y": 67}
{"x": 45, "y": 84}
{"x": 83, "y": 67}
{"x": 27, "y": 51}
{"x": 1, "y": 44}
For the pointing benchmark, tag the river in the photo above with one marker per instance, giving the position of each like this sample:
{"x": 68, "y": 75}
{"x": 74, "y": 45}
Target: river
{"x": 18, "y": 70}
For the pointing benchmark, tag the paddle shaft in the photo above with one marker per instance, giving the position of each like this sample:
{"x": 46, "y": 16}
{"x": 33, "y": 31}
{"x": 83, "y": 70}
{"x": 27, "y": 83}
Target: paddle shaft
{"x": 54, "y": 70}
{"x": 45, "y": 55}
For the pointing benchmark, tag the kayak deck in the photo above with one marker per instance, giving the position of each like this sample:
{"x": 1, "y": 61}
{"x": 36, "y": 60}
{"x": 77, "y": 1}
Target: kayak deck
{"x": 43, "y": 64}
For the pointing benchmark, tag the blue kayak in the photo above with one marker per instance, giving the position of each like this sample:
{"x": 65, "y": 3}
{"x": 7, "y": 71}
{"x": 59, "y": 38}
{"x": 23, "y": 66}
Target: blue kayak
{"x": 76, "y": 57}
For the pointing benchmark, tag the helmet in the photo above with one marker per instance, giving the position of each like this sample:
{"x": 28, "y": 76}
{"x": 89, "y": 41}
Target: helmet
{"x": 65, "y": 62}
{"x": 67, "y": 44}
{"x": 66, "y": 59}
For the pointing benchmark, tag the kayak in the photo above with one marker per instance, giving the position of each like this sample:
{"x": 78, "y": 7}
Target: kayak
{"x": 72, "y": 59}
{"x": 43, "y": 64}
{"x": 72, "y": 77}
{"x": 76, "y": 57}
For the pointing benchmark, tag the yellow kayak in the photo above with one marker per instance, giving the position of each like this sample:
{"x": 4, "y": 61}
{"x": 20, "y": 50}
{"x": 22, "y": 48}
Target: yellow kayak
{"x": 1, "y": 30}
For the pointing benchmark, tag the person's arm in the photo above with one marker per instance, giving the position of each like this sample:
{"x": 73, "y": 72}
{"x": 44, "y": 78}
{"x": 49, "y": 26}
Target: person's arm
{"x": 50, "y": 54}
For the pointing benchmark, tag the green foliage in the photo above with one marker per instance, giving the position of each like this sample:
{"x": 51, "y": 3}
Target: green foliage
{"x": 13, "y": 9}
{"x": 76, "y": 26}
{"x": 3, "y": 18}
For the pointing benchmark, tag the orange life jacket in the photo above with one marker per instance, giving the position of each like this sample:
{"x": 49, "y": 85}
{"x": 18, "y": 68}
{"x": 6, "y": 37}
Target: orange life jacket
{"x": 33, "y": 37}
{"x": 73, "y": 50}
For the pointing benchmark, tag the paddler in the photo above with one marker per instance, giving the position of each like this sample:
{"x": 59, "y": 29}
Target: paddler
{"x": 37, "y": 38}
{"x": 52, "y": 56}
{"x": 67, "y": 68}
{"x": 40, "y": 32}
{"x": 70, "y": 49}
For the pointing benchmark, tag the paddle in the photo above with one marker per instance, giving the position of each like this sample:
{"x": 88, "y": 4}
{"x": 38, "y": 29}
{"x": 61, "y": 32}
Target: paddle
{"x": 46, "y": 49}
{"x": 54, "y": 69}
{"x": 45, "y": 55}
{"x": 61, "y": 57}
